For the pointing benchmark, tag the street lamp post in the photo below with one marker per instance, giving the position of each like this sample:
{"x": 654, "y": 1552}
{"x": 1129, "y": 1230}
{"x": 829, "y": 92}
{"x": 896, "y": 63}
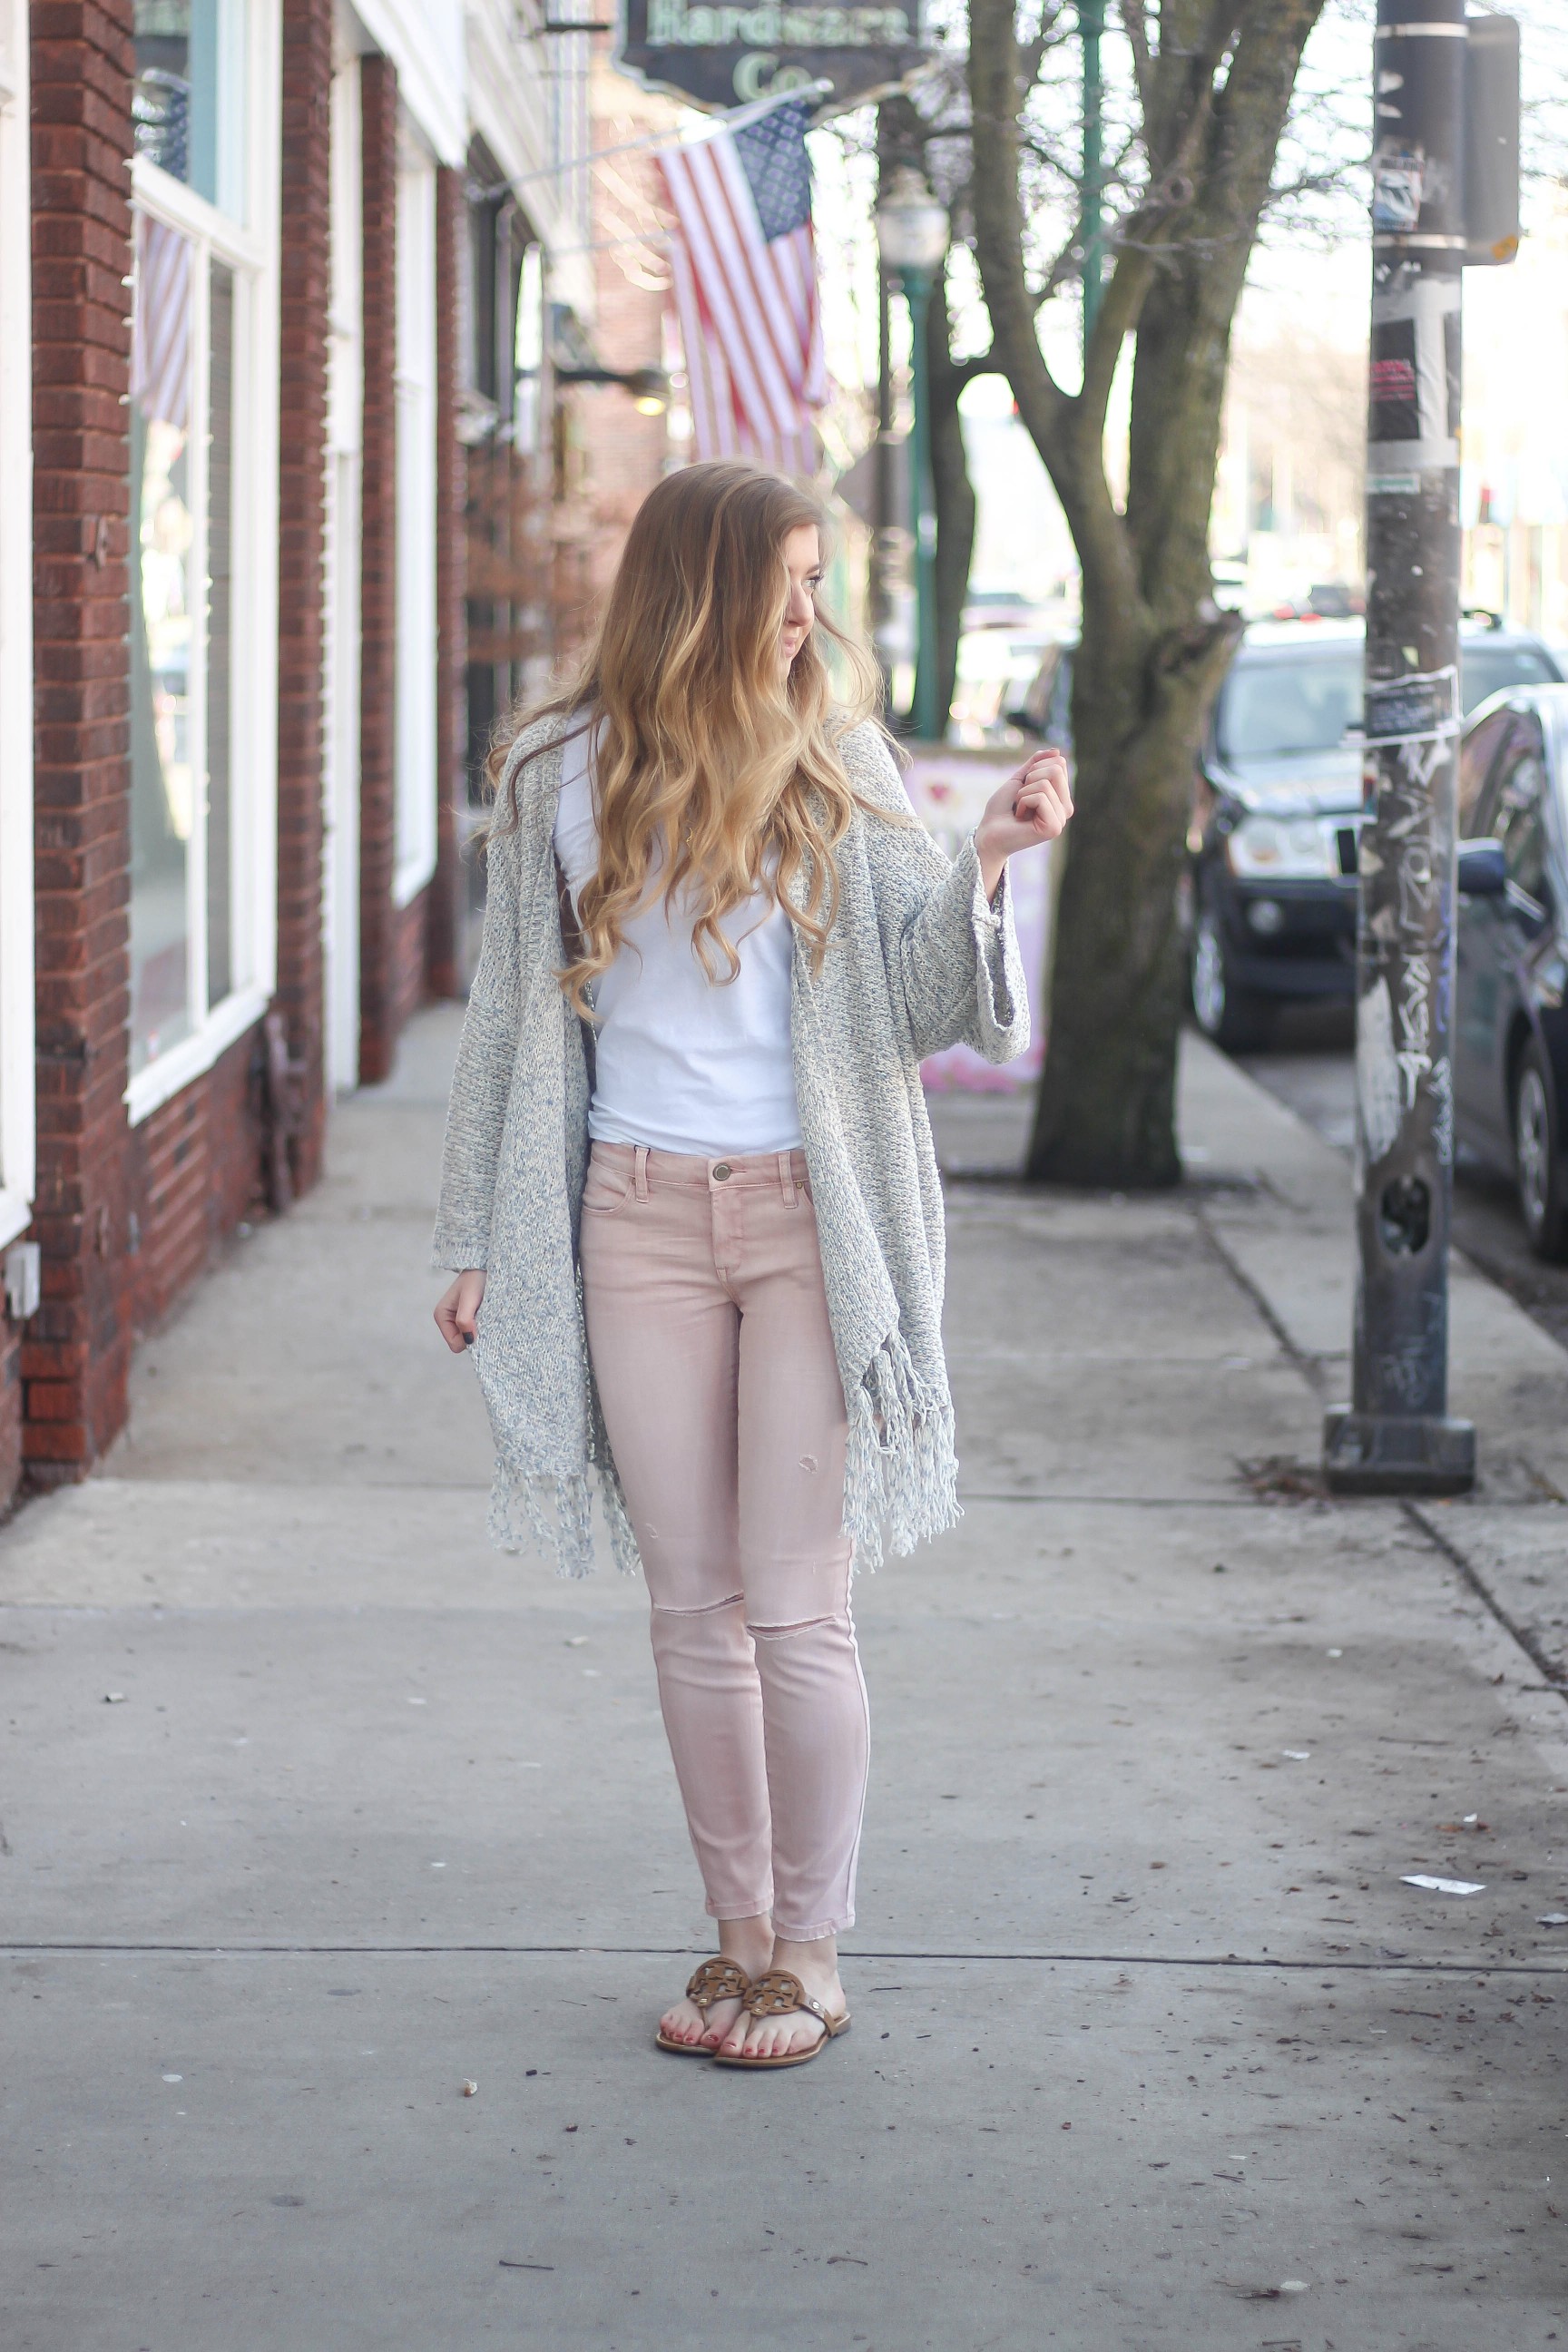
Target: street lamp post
{"x": 911, "y": 239}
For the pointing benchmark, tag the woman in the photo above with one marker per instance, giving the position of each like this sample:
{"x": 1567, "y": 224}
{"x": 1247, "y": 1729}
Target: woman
{"x": 689, "y": 1191}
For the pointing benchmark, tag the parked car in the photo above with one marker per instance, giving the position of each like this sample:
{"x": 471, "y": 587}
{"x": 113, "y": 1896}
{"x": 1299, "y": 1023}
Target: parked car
{"x": 1510, "y": 1024}
{"x": 1279, "y": 810}
{"x": 1276, "y": 806}
{"x": 1000, "y": 608}
{"x": 994, "y": 666}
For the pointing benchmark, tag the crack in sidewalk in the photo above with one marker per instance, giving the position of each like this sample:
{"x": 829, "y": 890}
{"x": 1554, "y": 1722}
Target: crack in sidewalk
{"x": 1402, "y": 1966}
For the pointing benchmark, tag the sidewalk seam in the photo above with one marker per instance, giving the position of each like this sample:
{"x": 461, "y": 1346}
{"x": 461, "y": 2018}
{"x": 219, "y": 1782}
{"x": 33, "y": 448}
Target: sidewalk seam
{"x": 1310, "y": 1366}
{"x": 1551, "y": 1673}
{"x": 1404, "y": 1966}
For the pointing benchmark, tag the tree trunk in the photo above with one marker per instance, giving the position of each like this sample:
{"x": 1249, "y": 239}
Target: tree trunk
{"x": 954, "y": 495}
{"x": 1105, "y": 1113}
{"x": 1155, "y": 648}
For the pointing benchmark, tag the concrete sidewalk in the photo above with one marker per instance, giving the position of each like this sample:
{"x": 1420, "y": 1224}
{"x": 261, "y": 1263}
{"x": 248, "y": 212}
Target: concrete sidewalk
{"x": 1158, "y": 1734}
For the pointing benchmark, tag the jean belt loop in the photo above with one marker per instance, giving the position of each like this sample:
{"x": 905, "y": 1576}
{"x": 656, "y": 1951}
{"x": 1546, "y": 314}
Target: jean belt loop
{"x": 787, "y": 1177}
{"x": 640, "y": 1169}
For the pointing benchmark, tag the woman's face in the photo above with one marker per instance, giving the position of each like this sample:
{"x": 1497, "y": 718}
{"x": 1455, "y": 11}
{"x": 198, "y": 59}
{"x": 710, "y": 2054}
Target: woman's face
{"x": 803, "y": 561}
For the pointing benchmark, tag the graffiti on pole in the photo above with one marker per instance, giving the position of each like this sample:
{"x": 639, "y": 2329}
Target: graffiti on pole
{"x": 1402, "y": 1044}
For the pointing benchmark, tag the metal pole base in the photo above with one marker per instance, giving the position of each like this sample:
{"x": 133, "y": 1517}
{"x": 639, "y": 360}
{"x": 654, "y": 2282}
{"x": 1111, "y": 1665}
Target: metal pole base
{"x": 1378, "y": 1453}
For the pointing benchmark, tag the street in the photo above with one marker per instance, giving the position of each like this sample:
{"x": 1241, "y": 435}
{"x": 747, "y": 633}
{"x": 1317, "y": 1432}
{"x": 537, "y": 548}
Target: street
{"x": 320, "y": 1815}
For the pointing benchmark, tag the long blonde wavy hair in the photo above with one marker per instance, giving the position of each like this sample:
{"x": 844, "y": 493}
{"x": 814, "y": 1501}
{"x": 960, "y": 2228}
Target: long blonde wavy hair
{"x": 707, "y": 758}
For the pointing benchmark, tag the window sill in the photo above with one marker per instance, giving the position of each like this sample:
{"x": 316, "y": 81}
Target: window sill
{"x": 412, "y": 877}
{"x": 15, "y": 1216}
{"x": 194, "y": 1056}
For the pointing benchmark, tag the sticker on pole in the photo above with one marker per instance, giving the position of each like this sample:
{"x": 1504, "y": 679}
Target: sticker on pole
{"x": 1406, "y": 709}
{"x": 1396, "y": 179}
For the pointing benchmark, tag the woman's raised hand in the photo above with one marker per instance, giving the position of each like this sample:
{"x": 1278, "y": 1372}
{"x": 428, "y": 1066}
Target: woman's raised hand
{"x": 458, "y": 1310}
{"x": 1034, "y": 804}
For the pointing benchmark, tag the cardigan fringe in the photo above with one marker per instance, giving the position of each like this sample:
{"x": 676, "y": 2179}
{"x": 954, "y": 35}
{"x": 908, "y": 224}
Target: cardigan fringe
{"x": 901, "y": 1483}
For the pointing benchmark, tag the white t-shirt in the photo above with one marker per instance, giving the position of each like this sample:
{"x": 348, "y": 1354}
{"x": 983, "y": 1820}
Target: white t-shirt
{"x": 683, "y": 1064}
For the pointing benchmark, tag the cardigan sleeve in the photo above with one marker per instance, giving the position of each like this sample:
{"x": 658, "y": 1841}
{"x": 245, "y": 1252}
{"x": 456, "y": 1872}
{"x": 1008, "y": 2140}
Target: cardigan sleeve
{"x": 481, "y": 1082}
{"x": 952, "y": 957}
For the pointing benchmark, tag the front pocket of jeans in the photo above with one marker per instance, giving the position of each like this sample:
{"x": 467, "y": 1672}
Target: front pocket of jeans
{"x": 607, "y": 1190}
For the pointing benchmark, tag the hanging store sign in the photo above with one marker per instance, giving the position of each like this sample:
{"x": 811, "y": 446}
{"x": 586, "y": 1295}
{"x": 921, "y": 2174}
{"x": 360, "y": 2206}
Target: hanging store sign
{"x": 721, "y": 57}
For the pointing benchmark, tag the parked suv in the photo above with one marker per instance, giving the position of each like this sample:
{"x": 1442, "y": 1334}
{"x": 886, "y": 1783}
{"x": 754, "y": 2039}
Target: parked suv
{"x": 1510, "y": 1024}
{"x": 1278, "y": 808}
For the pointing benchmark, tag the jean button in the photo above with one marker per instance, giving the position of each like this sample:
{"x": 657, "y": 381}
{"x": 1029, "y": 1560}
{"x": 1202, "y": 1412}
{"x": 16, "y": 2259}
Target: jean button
{"x": 722, "y": 1172}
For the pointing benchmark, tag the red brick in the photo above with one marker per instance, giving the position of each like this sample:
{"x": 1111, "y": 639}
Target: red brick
{"x": 73, "y": 1398}
{"x": 305, "y": 297}
{"x": 449, "y": 887}
{"x": 378, "y": 558}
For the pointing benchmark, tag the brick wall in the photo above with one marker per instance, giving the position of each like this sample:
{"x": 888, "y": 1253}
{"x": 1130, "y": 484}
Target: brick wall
{"x": 127, "y": 1218}
{"x": 378, "y": 574}
{"x": 305, "y": 294}
{"x": 615, "y": 455}
{"x": 448, "y": 890}
{"x": 195, "y": 1171}
{"x": 624, "y": 453}
{"x": 76, "y": 1354}
{"x": 410, "y": 986}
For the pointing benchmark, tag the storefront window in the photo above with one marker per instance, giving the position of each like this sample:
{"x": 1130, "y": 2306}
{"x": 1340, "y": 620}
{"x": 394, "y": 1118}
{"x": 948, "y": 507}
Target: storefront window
{"x": 163, "y": 746}
{"x": 18, "y": 1061}
{"x": 529, "y": 350}
{"x": 415, "y": 707}
{"x": 220, "y": 589}
{"x": 185, "y": 61}
{"x": 204, "y": 517}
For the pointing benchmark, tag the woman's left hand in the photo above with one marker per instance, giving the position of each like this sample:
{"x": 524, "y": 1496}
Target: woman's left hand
{"x": 1034, "y": 804}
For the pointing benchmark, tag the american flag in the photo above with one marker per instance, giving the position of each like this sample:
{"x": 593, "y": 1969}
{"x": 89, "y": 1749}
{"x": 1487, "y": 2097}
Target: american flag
{"x": 744, "y": 265}
{"x": 161, "y": 323}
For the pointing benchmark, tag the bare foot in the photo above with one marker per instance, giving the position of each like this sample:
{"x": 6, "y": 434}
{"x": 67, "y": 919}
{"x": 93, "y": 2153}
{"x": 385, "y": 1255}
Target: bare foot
{"x": 749, "y": 1943}
{"x": 816, "y": 1966}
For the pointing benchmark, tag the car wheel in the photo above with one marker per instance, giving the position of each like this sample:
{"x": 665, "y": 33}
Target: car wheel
{"x": 1233, "y": 1017}
{"x": 1538, "y": 1158}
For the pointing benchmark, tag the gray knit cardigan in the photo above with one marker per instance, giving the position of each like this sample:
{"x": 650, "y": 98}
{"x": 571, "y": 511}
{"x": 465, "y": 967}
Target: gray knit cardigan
{"x": 916, "y": 960}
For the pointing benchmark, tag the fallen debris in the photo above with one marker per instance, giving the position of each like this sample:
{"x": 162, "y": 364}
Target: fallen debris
{"x": 1440, "y": 1885}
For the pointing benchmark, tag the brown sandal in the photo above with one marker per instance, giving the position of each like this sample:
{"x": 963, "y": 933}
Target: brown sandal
{"x": 777, "y": 1994}
{"x": 717, "y": 1979}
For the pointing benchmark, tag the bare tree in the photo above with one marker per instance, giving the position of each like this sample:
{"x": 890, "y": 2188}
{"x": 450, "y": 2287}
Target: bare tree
{"x": 1208, "y": 97}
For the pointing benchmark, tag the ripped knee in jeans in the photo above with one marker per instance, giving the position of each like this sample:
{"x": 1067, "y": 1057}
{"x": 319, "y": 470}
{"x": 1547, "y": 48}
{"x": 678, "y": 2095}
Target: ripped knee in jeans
{"x": 784, "y": 1632}
{"x": 706, "y": 1609}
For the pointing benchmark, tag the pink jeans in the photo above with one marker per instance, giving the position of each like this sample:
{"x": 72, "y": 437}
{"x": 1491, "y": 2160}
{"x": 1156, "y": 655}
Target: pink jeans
{"x": 708, "y": 1332}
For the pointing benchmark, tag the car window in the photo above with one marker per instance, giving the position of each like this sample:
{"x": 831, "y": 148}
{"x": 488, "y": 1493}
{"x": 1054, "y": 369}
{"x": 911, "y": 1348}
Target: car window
{"x": 1037, "y": 701}
{"x": 1059, "y": 716}
{"x": 1487, "y": 668}
{"x": 1515, "y": 808}
{"x": 1477, "y": 757}
{"x": 1268, "y": 709}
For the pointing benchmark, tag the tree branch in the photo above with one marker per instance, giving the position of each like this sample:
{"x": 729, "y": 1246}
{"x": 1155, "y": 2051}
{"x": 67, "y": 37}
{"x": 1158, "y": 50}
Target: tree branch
{"x": 1076, "y": 470}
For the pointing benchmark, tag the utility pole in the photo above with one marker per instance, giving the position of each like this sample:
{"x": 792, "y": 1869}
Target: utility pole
{"x": 1091, "y": 221}
{"x": 1396, "y": 1436}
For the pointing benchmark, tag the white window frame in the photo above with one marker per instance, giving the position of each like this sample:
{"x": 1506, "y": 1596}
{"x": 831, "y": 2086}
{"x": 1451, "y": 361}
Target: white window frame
{"x": 341, "y": 584}
{"x": 254, "y": 39}
{"x": 414, "y": 723}
{"x": 19, "y": 1131}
